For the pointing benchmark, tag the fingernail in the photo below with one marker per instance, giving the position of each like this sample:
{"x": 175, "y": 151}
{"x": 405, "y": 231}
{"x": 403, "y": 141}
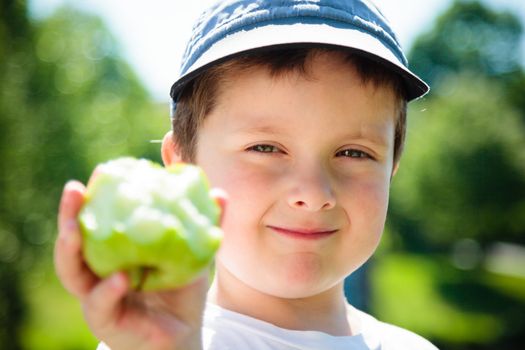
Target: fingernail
{"x": 72, "y": 185}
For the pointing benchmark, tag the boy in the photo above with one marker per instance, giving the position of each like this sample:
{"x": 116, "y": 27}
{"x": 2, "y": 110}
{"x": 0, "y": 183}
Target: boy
{"x": 296, "y": 109}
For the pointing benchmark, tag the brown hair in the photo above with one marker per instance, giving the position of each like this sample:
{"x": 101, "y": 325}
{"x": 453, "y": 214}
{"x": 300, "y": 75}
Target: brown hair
{"x": 200, "y": 95}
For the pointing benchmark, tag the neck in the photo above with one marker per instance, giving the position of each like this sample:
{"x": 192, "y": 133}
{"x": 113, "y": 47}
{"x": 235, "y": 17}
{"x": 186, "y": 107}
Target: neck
{"x": 325, "y": 312}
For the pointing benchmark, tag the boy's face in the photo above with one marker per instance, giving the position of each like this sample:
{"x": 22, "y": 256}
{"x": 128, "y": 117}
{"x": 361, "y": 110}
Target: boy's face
{"x": 306, "y": 162}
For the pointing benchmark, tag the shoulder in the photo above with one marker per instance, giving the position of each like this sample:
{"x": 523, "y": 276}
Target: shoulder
{"x": 397, "y": 338}
{"x": 393, "y": 337}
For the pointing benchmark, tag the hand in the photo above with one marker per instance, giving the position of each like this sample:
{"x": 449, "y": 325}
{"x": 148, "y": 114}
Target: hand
{"x": 122, "y": 318}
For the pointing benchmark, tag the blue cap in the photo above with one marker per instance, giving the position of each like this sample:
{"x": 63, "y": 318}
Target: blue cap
{"x": 234, "y": 27}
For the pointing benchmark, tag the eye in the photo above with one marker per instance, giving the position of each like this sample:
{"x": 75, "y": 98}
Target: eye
{"x": 353, "y": 153}
{"x": 263, "y": 148}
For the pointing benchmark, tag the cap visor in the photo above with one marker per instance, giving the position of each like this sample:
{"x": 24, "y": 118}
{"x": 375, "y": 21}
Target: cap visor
{"x": 301, "y": 35}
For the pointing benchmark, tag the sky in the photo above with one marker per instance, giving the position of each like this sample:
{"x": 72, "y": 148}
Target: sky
{"x": 152, "y": 34}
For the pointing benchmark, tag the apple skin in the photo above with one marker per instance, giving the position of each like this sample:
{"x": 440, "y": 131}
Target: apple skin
{"x": 160, "y": 225}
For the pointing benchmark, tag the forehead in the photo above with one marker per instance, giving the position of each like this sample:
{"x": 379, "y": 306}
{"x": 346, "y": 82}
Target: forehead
{"x": 328, "y": 95}
{"x": 311, "y": 65}
{"x": 329, "y": 75}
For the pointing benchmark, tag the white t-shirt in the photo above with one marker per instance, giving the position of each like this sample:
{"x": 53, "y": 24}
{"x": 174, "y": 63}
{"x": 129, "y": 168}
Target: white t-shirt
{"x": 228, "y": 330}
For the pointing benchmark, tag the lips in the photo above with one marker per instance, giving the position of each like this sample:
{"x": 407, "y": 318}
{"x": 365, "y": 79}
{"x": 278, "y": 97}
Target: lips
{"x": 300, "y": 233}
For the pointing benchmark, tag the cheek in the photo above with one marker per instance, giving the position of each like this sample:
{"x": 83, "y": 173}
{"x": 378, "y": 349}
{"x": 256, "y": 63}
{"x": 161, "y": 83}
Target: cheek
{"x": 378, "y": 195}
{"x": 244, "y": 185}
{"x": 249, "y": 197}
{"x": 369, "y": 204}
{"x": 366, "y": 209}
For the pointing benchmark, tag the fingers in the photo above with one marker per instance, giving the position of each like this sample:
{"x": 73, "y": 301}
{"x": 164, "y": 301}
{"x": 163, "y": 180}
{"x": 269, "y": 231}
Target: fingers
{"x": 122, "y": 317}
{"x": 69, "y": 263}
{"x": 104, "y": 304}
{"x": 222, "y": 199}
{"x": 70, "y": 204}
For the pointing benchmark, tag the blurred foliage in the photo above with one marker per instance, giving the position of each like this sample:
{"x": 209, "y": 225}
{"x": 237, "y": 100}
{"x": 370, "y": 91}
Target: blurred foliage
{"x": 469, "y": 36}
{"x": 460, "y": 190}
{"x": 472, "y": 37}
{"x": 67, "y": 102}
{"x": 463, "y": 173}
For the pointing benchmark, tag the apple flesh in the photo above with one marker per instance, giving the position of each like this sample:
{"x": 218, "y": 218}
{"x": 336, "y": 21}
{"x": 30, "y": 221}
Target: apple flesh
{"x": 157, "y": 224}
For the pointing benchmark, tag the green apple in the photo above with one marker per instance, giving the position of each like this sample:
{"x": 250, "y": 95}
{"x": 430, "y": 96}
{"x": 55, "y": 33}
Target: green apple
{"x": 157, "y": 224}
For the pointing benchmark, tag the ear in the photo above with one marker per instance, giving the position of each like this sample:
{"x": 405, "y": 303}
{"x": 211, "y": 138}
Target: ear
{"x": 170, "y": 150}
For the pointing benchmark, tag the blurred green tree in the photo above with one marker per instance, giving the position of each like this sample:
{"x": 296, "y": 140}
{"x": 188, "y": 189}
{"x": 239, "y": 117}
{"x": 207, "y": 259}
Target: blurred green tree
{"x": 14, "y": 29}
{"x": 67, "y": 102}
{"x": 463, "y": 173}
{"x": 461, "y": 187}
{"x": 469, "y": 36}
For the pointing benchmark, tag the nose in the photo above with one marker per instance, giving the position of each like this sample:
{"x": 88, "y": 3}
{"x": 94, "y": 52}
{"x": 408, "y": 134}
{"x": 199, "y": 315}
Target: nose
{"x": 311, "y": 191}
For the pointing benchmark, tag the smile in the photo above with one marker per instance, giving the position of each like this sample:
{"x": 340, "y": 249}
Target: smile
{"x": 307, "y": 234}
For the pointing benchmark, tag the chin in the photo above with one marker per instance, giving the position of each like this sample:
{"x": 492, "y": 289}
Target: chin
{"x": 300, "y": 283}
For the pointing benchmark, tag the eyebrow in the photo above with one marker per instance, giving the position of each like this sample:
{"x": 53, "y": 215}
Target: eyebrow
{"x": 374, "y": 135}
{"x": 260, "y": 129}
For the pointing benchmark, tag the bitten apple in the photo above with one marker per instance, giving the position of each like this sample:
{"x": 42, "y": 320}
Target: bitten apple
{"x": 157, "y": 224}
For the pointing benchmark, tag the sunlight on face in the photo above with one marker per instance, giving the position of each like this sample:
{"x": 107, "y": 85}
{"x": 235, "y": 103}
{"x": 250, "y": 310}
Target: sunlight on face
{"x": 306, "y": 162}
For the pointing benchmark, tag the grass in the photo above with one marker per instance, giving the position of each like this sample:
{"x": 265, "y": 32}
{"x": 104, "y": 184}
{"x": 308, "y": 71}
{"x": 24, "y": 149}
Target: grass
{"x": 55, "y": 318}
{"x": 429, "y": 296}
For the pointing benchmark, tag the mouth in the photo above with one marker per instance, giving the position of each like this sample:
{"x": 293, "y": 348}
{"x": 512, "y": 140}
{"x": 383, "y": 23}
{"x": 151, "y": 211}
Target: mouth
{"x": 300, "y": 233}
